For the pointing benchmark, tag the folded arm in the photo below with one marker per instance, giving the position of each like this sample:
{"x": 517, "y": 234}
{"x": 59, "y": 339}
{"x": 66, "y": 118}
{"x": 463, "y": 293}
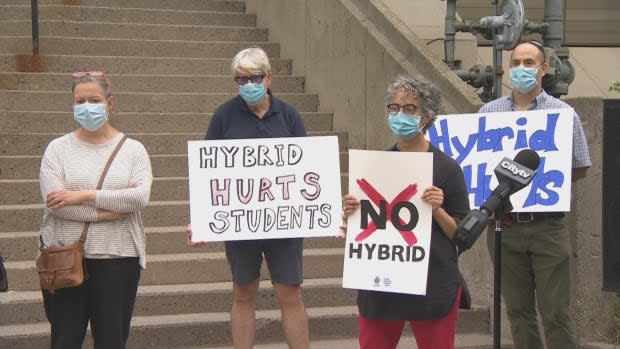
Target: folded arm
{"x": 135, "y": 197}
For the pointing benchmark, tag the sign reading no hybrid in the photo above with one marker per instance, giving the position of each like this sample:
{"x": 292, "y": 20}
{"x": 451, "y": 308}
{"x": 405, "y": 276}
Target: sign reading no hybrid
{"x": 388, "y": 238}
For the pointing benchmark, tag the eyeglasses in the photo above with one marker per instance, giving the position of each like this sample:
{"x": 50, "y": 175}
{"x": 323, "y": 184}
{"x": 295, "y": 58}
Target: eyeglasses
{"x": 94, "y": 74}
{"x": 408, "y": 109}
{"x": 255, "y": 79}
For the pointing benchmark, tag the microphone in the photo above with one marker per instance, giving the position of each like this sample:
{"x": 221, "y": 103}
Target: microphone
{"x": 512, "y": 175}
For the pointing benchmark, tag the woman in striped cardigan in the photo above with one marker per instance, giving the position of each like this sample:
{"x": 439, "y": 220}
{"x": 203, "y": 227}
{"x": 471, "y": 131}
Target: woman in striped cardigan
{"x": 115, "y": 244}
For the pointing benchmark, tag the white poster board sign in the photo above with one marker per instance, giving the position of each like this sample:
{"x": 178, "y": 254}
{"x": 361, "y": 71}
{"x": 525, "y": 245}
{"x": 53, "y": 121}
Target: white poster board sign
{"x": 479, "y": 141}
{"x": 246, "y": 189}
{"x": 388, "y": 249}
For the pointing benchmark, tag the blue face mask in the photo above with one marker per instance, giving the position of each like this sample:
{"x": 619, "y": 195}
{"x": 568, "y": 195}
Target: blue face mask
{"x": 523, "y": 78}
{"x": 90, "y": 116}
{"x": 404, "y": 126}
{"x": 252, "y": 93}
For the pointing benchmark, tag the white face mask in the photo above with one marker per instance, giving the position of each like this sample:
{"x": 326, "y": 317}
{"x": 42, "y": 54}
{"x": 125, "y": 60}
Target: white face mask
{"x": 252, "y": 93}
{"x": 523, "y": 78}
{"x": 404, "y": 126}
{"x": 90, "y": 116}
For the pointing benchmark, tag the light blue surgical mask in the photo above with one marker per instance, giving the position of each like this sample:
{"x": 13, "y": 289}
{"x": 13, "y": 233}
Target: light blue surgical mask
{"x": 90, "y": 116}
{"x": 404, "y": 126}
{"x": 252, "y": 93}
{"x": 523, "y": 78}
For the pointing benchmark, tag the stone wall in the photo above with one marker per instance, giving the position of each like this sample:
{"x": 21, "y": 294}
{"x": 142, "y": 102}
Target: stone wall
{"x": 593, "y": 308}
{"x": 349, "y": 50}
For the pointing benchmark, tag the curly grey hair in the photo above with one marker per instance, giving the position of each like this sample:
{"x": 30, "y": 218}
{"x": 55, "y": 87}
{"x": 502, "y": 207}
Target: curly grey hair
{"x": 426, "y": 93}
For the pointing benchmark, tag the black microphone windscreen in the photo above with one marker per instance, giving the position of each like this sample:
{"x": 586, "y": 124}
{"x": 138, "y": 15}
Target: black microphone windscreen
{"x": 528, "y": 158}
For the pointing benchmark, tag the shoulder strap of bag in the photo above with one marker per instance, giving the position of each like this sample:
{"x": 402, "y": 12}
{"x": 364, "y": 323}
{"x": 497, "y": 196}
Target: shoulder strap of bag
{"x": 100, "y": 183}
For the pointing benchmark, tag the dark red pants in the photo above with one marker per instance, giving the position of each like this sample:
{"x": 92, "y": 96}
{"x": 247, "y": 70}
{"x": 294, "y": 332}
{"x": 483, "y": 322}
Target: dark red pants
{"x": 429, "y": 334}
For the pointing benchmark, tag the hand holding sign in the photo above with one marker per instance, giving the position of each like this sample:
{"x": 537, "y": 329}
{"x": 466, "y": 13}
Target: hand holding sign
{"x": 188, "y": 232}
{"x": 351, "y": 204}
{"x": 433, "y": 196}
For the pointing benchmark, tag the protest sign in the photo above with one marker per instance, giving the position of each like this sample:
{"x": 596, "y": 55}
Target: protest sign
{"x": 388, "y": 238}
{"x": 479, "y": 141}
{"x": 245, "y": 189}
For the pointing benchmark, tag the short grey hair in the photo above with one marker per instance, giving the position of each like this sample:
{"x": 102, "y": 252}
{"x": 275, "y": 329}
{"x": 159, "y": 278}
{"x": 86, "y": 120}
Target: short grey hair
{"x": 100, "y": 80}
{"x": 426, "y": 93}
{"x": 253, "y": 59}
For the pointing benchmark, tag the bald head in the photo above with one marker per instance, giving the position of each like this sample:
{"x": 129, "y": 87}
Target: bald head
{"x": 531, "y": 50}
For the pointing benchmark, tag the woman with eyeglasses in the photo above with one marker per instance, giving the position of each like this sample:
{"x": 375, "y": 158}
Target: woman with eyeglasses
{"x": 257, "y": 113}
{"x": 412, "y": 107}
{"x": 114, "y": 251}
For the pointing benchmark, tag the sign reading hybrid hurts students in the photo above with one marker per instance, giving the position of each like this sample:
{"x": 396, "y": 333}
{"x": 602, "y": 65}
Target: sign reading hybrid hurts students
{"x": 478, "y": 142}
{"x": 247, "y": 189}
{"x": 389, "y": 236}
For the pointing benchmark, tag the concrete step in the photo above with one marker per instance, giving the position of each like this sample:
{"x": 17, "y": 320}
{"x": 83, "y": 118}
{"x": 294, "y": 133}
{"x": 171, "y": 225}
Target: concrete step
{"x": 131, "y": 47}
{"x": 407, "y": 341}
{"x": 134, "y": 31}
{"x": 26, "y": 307}
{"x": 158, "y": 214}
{"x": 23, "y": 245}
{"x": 202, "y": 5}
{"x": 130, "y": 83}
{"x": 155, "y": 143}
{"x": 27, "y": 166}
{"x": 16, "y": 218}
{"x": 127, "y": 65}
{"x": 132, "y": 122}
{"x": 213, "y": 329}
{"x": 141, "y": 102}
{"x": 196, "y": 267}
{"x": 184, "y": 330}
{"x": 27, "y": 191}
{"x": 128, "y": 15}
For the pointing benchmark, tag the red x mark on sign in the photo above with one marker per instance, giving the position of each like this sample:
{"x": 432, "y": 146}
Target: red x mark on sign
{"x": 376, "y": 197}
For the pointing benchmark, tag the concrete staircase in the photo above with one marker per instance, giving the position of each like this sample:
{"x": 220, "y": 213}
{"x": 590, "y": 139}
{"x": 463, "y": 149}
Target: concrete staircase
{"x": 168, "y": 62}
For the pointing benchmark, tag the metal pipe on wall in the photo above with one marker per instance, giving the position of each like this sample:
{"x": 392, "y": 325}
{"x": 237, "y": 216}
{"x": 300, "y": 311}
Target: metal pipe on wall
{"x": 34, "y": 9}
{"x": 497, "y": 58}
{"x": 562, "y": 71}
{"x": 554, "y": 17}
{"x": 449, "y": 43}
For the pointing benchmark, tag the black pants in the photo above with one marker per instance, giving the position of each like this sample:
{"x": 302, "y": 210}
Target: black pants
{"x": 106, "y": 299}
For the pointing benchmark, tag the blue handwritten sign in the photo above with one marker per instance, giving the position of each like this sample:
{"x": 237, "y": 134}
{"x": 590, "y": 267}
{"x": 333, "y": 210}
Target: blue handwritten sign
{"x": 479, "y": 141}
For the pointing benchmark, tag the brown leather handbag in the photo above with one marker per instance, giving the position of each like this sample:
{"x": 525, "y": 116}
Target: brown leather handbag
{"x": 63, "y": 266}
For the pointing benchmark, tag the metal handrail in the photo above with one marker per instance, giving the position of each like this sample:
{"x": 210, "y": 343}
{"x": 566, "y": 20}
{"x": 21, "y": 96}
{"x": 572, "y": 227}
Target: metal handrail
{"x": 34, "y": 8}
